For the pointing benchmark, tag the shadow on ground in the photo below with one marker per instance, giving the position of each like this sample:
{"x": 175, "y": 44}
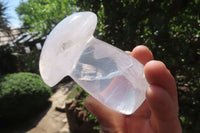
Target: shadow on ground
{"x": 49, "y": 118}
{"x": 23, "y": 126}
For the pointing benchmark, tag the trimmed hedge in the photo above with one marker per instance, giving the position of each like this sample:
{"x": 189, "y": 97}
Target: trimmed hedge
{"x": 22, "y": 95}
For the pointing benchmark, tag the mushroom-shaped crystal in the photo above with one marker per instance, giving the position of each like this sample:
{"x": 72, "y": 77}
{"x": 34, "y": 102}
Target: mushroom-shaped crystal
{"x": 107, "y": 73}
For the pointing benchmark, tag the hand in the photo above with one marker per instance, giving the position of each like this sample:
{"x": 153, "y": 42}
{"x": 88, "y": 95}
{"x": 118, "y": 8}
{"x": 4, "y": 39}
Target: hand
{"x": 158, "y": 113}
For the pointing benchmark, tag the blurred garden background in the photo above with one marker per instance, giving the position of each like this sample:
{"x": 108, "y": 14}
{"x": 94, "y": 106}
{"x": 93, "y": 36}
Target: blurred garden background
{"x": 171, "y": 29}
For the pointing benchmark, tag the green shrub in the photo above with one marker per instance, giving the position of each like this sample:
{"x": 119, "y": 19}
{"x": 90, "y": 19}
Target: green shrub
{"x": 14, "y": 59}
{"x": 22, "y": 95}
{"x": 80, "y": 96}
{"x": 8, "y": 61}
{"x": 77, "y": 93}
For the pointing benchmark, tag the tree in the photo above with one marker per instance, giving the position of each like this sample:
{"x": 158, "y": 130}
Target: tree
{"x": 43, "y": 15}
{"x": 3, "y": 19}
{"x": 171, "y": 30}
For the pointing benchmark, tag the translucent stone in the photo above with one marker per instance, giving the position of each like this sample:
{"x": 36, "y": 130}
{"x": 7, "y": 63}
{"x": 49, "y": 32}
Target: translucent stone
{"x": 107, "y": 73}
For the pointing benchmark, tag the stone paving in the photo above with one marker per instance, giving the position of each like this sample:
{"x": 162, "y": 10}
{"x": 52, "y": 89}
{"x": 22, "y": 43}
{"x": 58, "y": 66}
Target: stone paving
{"x": 55, "y": 121}
{"x": 50, "y": 120}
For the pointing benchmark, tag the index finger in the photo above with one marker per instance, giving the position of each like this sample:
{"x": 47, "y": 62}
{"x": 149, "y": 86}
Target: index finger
{"x": 142, "y": 54}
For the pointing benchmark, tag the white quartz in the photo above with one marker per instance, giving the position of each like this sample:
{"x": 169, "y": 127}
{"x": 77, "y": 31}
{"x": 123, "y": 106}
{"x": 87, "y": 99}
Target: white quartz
{"x": 107, "y": 73}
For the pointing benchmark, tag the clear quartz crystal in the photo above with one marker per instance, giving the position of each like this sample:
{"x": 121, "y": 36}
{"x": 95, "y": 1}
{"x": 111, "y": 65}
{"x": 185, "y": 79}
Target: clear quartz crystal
{"x": 107, "y": 73}
{"x": 113, "y": 77}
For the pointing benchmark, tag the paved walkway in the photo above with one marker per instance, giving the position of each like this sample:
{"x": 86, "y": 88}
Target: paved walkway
{"x": 55, "y": 121}
{"x": 49, "y": 121}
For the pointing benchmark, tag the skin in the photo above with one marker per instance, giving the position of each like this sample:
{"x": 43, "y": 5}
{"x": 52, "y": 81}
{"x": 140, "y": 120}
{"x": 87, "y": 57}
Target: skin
{"x": 158, "y": 113}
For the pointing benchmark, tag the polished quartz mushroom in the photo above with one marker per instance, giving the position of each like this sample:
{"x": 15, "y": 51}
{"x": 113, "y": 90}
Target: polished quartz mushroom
{"x": 107, "y": 73}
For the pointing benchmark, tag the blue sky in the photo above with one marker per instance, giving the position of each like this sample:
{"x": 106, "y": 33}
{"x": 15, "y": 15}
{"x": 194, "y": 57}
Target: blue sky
{"x": 11, "y": 14}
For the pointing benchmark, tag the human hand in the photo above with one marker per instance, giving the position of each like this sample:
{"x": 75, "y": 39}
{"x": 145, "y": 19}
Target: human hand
{"x": 158, "y": 113}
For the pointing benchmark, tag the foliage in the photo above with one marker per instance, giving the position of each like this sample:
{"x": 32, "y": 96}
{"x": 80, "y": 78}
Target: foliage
{"x": 15, "y": 59}
{"x": 22, "y": 95}
{"x": 43, "y": 15}
{"x": 79, "y": 94}
{"x": 7, "y": 60}
{"x": 27, "y": 62}
{"x": 171, "y": 29}
{"x": 3, "y": 19}
{"x": 75, "y": 92}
